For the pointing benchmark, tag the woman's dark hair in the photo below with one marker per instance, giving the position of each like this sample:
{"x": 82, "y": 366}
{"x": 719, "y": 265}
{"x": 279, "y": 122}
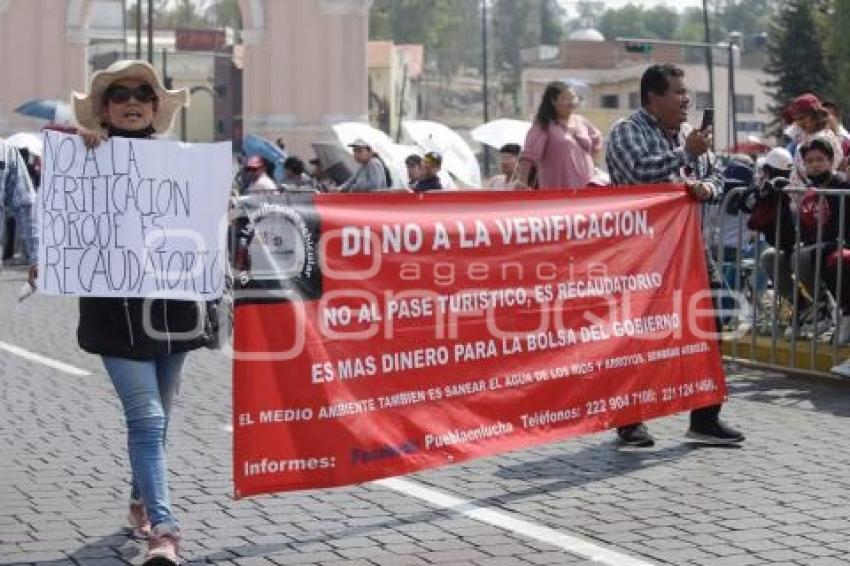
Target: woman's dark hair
{"x": 656, "y": 80}
{"x": 546, "y": 113}
{"x": 294, "y": 164}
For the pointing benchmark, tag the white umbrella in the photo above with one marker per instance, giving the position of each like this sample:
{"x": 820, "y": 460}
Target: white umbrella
{"x": 458, "y": 158}
{"x": 497, "y": 133}
{"x": 348, "y": 132}
{"x": 30, "y": 141}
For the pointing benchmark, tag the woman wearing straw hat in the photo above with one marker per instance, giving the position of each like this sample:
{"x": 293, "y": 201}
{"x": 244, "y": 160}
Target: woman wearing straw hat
{"x": 128, "y": 100}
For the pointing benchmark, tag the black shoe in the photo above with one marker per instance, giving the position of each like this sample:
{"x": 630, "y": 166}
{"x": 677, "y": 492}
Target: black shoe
{"x": 715, "y": 433}
{"x": 635, "y": 435}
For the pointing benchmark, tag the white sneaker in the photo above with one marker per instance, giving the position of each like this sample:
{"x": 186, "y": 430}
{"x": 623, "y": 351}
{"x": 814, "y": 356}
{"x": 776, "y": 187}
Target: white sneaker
{"x": 163, "y": 546}
{"x": 812, "y": 322}
{"x": 842, "y": 369}
{"x": 138, "y": 519}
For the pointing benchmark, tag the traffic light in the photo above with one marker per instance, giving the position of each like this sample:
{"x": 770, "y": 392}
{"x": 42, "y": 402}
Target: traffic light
{"x": 645, "y": 48}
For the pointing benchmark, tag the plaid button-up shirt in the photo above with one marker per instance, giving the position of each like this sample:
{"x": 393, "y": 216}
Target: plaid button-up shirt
{"x": 18, "y": 196}
{"x": 640, "y": 151}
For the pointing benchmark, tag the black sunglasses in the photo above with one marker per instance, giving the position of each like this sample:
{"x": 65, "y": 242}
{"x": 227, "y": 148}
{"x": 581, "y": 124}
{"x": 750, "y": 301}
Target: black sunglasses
{"x": 121, "y": 94}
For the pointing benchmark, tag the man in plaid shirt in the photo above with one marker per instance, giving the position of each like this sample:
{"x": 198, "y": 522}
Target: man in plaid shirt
{"x": 17, "y": 195}
{"x": 656, "y": 145}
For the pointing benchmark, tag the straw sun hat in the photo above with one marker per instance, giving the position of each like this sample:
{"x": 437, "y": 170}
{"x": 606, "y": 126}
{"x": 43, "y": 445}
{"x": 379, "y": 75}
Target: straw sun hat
{"x": 87, "y": 106}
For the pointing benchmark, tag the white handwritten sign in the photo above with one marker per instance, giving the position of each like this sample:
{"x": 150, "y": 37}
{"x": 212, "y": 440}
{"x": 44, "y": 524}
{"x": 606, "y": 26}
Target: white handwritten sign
{"x": 133, "y": 218}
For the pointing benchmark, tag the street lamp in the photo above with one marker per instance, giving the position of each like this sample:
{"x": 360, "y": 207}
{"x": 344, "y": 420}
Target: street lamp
{"x": 484, "y": 76}
{"x": 138, "y": 29}
{"x": 709, "y": 54}
{"x": 734, "y": 43}
{"x": 150, "y": 31}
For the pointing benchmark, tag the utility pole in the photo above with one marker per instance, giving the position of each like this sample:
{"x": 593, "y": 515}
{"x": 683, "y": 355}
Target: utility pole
{"x": 138, "y": 29}
{"x": 484, "y": 75}
{"x": 150, "y": 32}
{"x": 709, "y": 58}
{"x": 124, "y": 25}
{"x": 733, "y": 110}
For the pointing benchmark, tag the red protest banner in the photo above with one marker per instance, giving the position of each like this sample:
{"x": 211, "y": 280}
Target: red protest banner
{"x": 422, "y": 330}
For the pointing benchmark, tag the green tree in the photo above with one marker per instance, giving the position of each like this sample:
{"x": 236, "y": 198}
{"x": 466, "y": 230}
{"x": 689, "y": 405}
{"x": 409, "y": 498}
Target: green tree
{"x": 661, "y": 22}
{"x": 513, "y": 27}
{"x": 624, "y": 22}
{"x": 838, "y": 52}
{"x": 225, "y": 13}
{"x": 551, "y": 22}
{"x": 450, "y": 30}
{"x": 691, "y": 26}
{"x": 457, "y": 29}
{"x": 380, "y": 22}
{"x": 748, "y": 18}
{"x": 796, "y": 59}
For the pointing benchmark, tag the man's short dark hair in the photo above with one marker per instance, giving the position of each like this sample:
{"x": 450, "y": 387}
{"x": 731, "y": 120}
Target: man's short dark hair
{"x": 294, "y": 164}
{"x": 656, "y": 80}
{"x": 818, "y": 144}
{"x": 413, "y": 160}
{"x": 512, "y": 148}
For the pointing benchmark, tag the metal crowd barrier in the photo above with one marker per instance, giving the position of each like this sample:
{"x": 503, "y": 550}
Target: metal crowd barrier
{"x": 755, "y": 328}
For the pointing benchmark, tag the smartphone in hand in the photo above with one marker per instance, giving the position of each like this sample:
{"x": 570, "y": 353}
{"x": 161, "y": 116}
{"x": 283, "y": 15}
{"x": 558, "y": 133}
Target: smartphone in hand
{"x": 707, "y": 120}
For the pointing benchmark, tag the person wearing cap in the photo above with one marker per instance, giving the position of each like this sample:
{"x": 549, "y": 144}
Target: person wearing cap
{"x": 811, "y": 119}
{"x": 259, "y": 182}
{"x": 430, "y": 181}
{"x": 508, "y": 162}
{"x": 657, "y": 145}
{"x": 128, "y": 100}
{"x": 371, "y": 175}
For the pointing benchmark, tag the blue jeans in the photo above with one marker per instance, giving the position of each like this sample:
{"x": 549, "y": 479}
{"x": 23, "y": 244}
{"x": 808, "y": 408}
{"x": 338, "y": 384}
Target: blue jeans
{"x": 147, "y": 389}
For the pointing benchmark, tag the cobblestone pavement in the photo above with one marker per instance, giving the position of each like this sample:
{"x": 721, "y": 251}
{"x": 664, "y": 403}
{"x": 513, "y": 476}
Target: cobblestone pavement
{"x": 783, "y": 498}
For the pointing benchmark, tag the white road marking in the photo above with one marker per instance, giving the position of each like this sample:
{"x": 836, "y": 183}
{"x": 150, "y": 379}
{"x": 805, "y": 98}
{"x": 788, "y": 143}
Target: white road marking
{"x": 38, "y": 358}
{"x": 509, "y": 522}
